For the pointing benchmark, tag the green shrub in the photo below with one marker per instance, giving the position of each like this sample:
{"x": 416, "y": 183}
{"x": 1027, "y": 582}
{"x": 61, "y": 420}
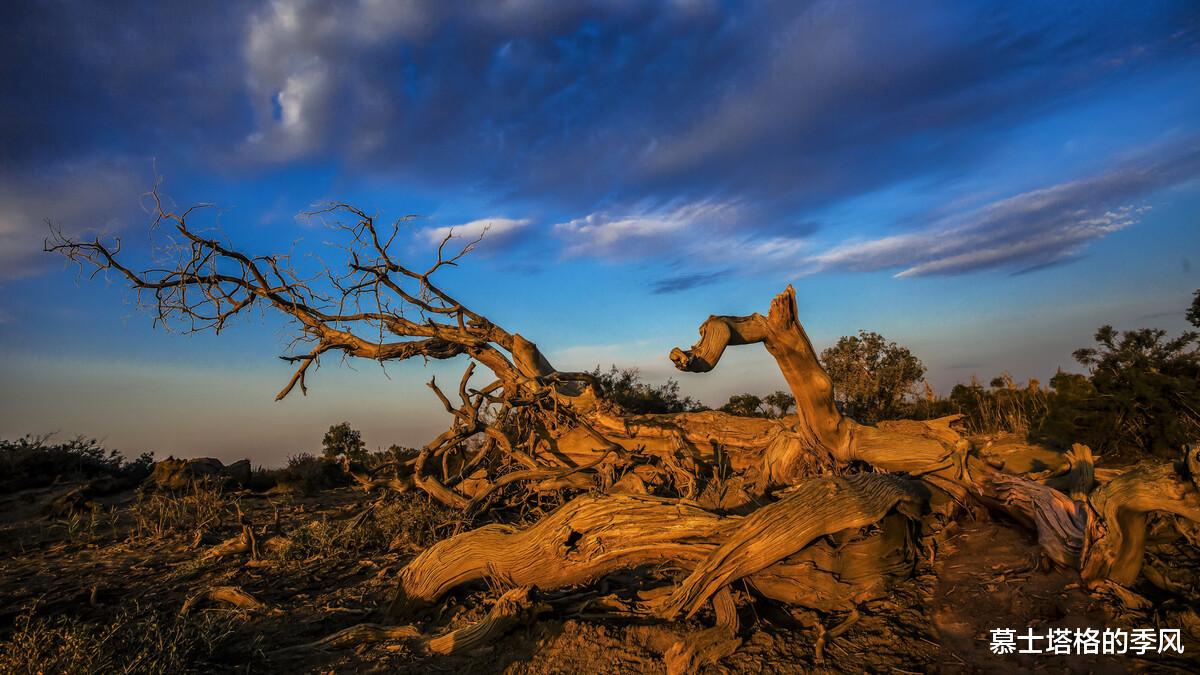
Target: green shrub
{"x": 1143, "y": 394}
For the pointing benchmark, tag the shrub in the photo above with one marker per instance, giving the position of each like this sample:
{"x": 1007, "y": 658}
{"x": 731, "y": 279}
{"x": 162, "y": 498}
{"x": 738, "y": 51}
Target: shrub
{"x": 263, "y": 479}
{"x": 779, "y": 403}
{"x": 1002, "y": 407}
{"x": 1143, "y": 393}
{"x": 310, "y": 474}
{"x": 204, "y": 507}
{"x": 744, "y": 405}
{"x": 32, "y": 462}
{"x": 776, "y": 404}
{"x": 625, "y": 388}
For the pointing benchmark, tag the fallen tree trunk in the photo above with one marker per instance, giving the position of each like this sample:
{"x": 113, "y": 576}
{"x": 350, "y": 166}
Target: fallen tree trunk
{"x": 593, "y": 536}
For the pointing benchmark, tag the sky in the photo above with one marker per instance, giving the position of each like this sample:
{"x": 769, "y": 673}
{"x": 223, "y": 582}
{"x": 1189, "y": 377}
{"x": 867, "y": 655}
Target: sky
{"x": 984, "y": 183}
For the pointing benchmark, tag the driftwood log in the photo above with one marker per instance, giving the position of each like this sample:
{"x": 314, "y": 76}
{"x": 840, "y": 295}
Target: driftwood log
{"x": 813, "y": 509}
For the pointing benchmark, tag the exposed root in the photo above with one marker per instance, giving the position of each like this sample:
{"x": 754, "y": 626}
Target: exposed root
{"x": 516, "y": 607}
{"x": 1116, "y": 539}
{"x": 363, "y": 633}
{"x": 596, "y": 535}
{"x": 710, "y": 645}
{"x": 824, "y": 636}
{"x": 230, "y": 595}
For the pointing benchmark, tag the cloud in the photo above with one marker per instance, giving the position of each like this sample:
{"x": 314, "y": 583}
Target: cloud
{"x": 615, "y": 116}
{"x": 645, "y": 231}
{"x": 684, "y": 282}
{"x": 87, "y": 196}
{"x": 493, "y": 230}
{"x": 81, "y": 79}
{"x": 581, "y": 102}
{"x": 1026, "y": 232}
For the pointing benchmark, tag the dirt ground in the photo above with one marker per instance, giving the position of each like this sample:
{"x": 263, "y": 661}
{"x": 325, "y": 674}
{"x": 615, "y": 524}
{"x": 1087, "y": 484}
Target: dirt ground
{"x": 61, "y": 578}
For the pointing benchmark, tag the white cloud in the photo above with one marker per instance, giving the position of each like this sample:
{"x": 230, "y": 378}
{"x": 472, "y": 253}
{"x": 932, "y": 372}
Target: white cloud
{"x": 645, "y": 231}
{"x": 1024, "y": 232}
{"x": 494, "y": 227}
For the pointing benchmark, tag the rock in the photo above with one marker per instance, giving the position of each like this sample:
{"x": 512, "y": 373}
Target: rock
{"x": 239, "y": 471}
{"x": 180, "y": 474}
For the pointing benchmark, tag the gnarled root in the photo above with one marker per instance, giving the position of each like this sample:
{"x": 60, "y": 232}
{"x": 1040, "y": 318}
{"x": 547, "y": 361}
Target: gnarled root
{"x": 585, "y": 539}
{"x": 514, "y": 608}
{"x": 231, "y": 595}
{"x": 1116, "y": 539}
{"x": 710, "y": 645}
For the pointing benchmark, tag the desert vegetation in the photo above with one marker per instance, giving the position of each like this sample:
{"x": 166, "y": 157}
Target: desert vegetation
{"x": 565, "y": 512}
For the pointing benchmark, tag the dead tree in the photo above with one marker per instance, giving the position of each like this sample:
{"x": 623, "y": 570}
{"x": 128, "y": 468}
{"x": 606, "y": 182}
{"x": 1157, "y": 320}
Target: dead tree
{"x": 706, "y": 499}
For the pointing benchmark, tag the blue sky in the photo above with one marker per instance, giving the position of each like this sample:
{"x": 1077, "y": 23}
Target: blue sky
{"x": 985, "y": 183}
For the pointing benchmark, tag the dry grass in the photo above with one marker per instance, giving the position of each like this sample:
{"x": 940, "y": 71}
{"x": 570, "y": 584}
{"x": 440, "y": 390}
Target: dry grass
{"x": 205, "y": 506}
{"x": 134, "y": 640}
{"x": 91, "y": 524}
{"x": 406, "y": 525}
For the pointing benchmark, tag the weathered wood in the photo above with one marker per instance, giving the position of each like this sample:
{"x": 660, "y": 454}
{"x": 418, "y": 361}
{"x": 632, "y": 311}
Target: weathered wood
{"x": 1116, "y": 539}
{"x": 816, "y": 507}
{"x": 596, "y": 535}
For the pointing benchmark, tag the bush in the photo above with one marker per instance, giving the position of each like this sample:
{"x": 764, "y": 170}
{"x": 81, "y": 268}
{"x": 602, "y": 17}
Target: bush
{"x": 309, "y": 474}
{"x": 625, "y": 388}
{"x": 776, "y": 404}
{"x": 1002, "y": 407}
{"x": 263, "y": 479}
{"x": 32, "y": 462}
{"x": 204, "y": 507}
{"x": 1143, "y": 394}
{"x": 744, "y": 405}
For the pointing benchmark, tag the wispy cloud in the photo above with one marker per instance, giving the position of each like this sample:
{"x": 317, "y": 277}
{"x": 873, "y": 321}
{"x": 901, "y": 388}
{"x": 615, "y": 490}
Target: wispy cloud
{"x": 96, "y": 196}
{"x": 644, "y": 231}
{"x": 1025, "y": 232}
{"x": 577, "y": 101}
{"x": 684, "y": 282}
